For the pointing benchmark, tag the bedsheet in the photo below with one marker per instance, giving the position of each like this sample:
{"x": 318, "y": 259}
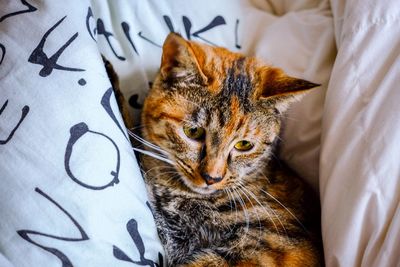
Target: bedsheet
{"x": 360, "y": 149}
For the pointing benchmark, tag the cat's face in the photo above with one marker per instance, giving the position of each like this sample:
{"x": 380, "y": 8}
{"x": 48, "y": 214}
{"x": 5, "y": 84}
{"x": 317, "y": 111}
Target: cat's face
{"x": 216, "y": 113}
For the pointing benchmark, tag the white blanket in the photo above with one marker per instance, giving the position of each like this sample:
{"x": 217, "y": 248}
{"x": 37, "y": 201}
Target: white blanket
{"x": 360, "y": 155}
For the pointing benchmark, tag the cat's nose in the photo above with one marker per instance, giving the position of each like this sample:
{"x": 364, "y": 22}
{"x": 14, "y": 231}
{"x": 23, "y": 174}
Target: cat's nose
{"x": 211, "y": 180}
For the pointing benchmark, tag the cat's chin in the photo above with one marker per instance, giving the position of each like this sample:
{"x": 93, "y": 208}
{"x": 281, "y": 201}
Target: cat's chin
{"x": 205, "y": 190}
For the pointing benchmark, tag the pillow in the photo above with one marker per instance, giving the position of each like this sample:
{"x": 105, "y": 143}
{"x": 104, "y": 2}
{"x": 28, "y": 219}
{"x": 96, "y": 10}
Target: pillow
{"x": 71, "y": 192}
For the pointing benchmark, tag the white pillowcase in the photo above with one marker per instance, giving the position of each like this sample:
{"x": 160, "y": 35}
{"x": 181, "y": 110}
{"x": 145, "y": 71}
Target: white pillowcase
{"x": 71, "y": 191}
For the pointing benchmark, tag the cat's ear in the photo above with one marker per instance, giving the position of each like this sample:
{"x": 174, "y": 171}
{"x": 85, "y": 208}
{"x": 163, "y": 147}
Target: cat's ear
{"x": 281, "y": 89}
{"x": 181, "y": 60}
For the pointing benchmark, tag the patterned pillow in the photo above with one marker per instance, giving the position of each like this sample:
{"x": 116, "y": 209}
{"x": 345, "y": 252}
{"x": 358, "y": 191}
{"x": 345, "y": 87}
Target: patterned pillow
{"x": 71, "y": 192}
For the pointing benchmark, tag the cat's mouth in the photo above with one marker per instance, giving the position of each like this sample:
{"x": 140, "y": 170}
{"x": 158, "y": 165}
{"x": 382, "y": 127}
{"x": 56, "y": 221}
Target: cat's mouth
{"x": 191, "y": 177}
{"x": 199, "y": 186}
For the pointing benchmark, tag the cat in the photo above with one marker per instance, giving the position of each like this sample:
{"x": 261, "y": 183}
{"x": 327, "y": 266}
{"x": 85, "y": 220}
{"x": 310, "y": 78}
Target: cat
{"x": 220, "y": 197}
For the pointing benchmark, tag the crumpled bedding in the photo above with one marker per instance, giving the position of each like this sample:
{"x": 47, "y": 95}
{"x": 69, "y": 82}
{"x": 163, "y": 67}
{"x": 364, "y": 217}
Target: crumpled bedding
{"x": 360, "y": 149}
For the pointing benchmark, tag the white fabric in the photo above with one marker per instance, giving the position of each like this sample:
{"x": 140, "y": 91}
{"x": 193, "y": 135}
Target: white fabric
{"x": 360, "y": 159}
{"x": 302, "y": 43}
{"x": 38, "y": 197}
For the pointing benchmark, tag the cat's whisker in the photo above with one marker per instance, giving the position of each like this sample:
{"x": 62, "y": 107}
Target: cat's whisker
{"x": 147, "y": 143}
{"x": 234, "y": 203}
{"x": 230, "y": 201}
{"x": 279, "y": 220}
{"x": 144, "y": 147}
{"x": 280, "y": 138}
{"x": 149, "y": 152}
{"x": 184, "y": 168}
{"x": 226, "y": 191}
{"x": 241, "y": 187}
{"x": 236, "y": 210}
{"x": 290, "y": 118}
{"x": 236, "y": 196}
{"x": 246, "y": 215}
{"x": 156, "y": 168}
{"x": 140, "y": 126}
{"x": 286, "y": 117}
{"x": 163, "y": 154}
{"x": 244, "y": 192}
{"x": 275, "y": 157}
{"x": 169, "y": 178}
{"x": 168, "y": 170}
{"x": 172, "y": 172}
{"x": 162, "y": 167}
{"x": 154, "y": 155}
{"x": 247, "y": 194}
{"x": 280, "y": 203}
{"x": 272, "y": 210}
{"x": 267, "y": 209}
{"x": 268, "y": 180}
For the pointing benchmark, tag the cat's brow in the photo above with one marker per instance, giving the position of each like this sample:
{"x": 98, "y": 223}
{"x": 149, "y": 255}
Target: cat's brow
{"x": 240, "y": 124}
{"x": 215, "y": 139}
{"x": 222, "y": 117}
{"x": 237, "y": 83}
{"x": 167, "y": 116}
{"x": 195, "y": 115}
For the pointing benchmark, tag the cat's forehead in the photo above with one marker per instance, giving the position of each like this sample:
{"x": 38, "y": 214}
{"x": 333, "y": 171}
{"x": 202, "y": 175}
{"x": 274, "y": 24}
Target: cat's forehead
{"x": 219, "y": 114}
{"x": 237, "y": 85}
{"x": 229, "y": 93}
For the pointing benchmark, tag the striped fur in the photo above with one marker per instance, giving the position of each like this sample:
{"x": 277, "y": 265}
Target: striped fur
{"x": 259, "y": 213}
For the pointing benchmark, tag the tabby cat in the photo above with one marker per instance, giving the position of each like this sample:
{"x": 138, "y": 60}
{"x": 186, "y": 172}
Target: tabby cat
{"x": 219, "y": 195}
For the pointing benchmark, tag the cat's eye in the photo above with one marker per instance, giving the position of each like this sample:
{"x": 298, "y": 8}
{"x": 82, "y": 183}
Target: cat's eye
{"x": 195, "y": 133}
{"x": 243, "y": 145}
